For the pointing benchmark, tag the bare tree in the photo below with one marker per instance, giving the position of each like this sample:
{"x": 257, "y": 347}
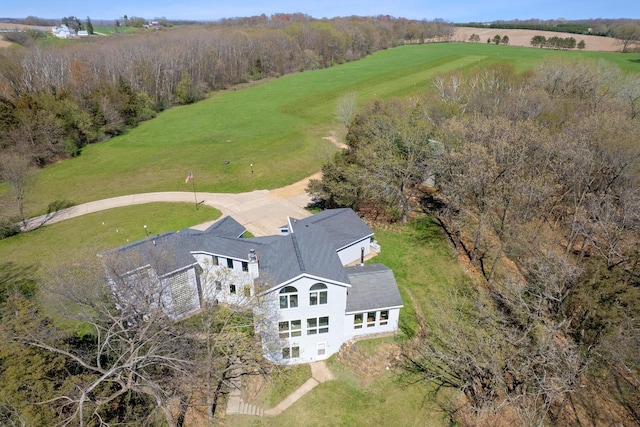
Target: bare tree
{"x": 393, "y": 151}
{"x": 18, "y": 172}
{"x": 346, "y": 108}
{"x": 228, "y": 347}
{"x": 506, "y": 349}
{"x": 134, "y": 350}
{"x": 628, "y": 34}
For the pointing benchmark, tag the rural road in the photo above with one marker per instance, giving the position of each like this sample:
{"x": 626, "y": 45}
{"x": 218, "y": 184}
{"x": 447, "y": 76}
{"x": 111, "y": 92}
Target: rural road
{"x": 260, "y": 211}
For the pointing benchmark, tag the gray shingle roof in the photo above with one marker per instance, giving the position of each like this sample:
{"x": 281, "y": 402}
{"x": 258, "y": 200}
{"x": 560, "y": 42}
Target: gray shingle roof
{"x": 222, "y": 246}
{"x": 373, "y": 287}
{"x": 165, "y": 253}
{"x": 310, "y": 248}
{"x": 226, "y": 227}
{"x": 343, "y": 226}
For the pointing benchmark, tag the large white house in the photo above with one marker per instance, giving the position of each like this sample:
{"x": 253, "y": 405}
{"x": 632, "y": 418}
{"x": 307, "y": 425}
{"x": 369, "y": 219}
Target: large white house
{"x": 307, "y": 285}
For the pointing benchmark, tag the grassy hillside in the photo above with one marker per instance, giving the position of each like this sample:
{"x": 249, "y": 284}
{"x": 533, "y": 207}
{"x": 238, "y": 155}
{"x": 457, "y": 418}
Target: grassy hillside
{"x": 278, "y": 126}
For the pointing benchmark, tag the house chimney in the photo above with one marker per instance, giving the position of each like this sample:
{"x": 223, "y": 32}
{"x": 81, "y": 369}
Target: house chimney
{"x": 253, "y": 264}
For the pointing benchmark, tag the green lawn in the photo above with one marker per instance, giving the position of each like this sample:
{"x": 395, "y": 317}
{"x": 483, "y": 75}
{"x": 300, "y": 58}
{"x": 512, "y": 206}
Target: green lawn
{"x": 278, "y": 126}
{"x": 73, "y": 239}
{"x": 111, "y": 29}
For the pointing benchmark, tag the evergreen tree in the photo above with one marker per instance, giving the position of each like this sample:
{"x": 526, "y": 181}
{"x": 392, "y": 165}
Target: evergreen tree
{"x": 89, "y": 26}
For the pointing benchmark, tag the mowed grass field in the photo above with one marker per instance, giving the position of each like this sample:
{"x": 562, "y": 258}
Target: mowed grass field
{"x": 278, "y": 126}
{"x": 76, "y": 239}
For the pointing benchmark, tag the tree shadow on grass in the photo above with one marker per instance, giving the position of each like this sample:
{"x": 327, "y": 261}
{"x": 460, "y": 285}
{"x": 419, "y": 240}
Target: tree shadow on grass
{"x": 426, "y": 229}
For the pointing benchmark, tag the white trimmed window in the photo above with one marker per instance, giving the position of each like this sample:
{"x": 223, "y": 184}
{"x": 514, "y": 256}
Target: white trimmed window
{"x": 288, "y": 297}
{"x": 290, "y": 352}
{"x": 318, "y": 294}
{"x": 357, "y": 321}
{"x": 318, "y": 325}
{"x": 384, "y": 317}
{"x": 371, "y": 319}
{"x": 290, "y": 328}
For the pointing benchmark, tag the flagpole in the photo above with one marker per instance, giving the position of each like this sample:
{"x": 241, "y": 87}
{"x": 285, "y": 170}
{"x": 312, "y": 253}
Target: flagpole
{"x": 195, "y": 197}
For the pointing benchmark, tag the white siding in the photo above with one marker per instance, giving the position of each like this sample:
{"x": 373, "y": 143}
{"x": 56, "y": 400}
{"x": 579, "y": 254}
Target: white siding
{"x": 352, "y": 252}
{"x": 371, "y": 327}
{"x": 226, "y": 285}
{"x": 308, "y": 343}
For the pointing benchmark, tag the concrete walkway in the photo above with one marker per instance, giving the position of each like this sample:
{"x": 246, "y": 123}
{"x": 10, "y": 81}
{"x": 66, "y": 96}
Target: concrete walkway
{"x": 236, "y": 406}
{"x": 319, "y": 373}
{"x": 260, "y": 211}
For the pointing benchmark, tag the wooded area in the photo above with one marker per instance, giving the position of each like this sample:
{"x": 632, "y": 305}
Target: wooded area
{"x": 55, "y": 99}
{"x": 535, "y": 179}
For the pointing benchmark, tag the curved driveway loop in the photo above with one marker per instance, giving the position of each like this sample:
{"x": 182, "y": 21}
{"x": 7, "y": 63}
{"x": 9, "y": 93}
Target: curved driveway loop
{"x": 260, "y": 211}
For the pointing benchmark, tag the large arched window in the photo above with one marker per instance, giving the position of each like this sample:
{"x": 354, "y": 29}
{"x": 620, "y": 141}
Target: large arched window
{"x": 318, "y": 294}
{"x": 288, "y": 297}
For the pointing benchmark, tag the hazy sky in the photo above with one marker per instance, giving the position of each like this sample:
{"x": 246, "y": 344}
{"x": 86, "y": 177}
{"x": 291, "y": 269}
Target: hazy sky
{"x": 450, "y": 10}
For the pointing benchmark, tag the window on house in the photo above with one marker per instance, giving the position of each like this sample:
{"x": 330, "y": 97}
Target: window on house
{"x": 245, "y": 266}
{"x": 218, "y": 285}
{"x": 214, "y": 260}
{"x": 290, "y": 352}
{"x": 318, "y": 325}
{"x": 232, "y": 289}
{"x": 384, "y": 317}
{"x": 288, "y": 297}
{"x": 371, "y": 319}
{"x": 318, "y": 294}
{"x": 229, "y": 263}
{"x": 292, "y": 328}
{"x": 357, "y": 321}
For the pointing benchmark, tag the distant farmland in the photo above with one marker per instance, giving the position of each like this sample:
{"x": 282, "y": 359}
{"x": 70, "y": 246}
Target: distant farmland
{"x": 523, "y": 38}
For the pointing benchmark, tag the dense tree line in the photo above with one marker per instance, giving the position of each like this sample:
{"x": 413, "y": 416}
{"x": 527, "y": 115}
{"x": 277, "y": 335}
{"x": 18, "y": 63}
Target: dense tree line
{"x": 556, "y": 42}
{"x": 535, "y": 179}
{"x": 56, "y": 99}
{"x": 597, "y": 26}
